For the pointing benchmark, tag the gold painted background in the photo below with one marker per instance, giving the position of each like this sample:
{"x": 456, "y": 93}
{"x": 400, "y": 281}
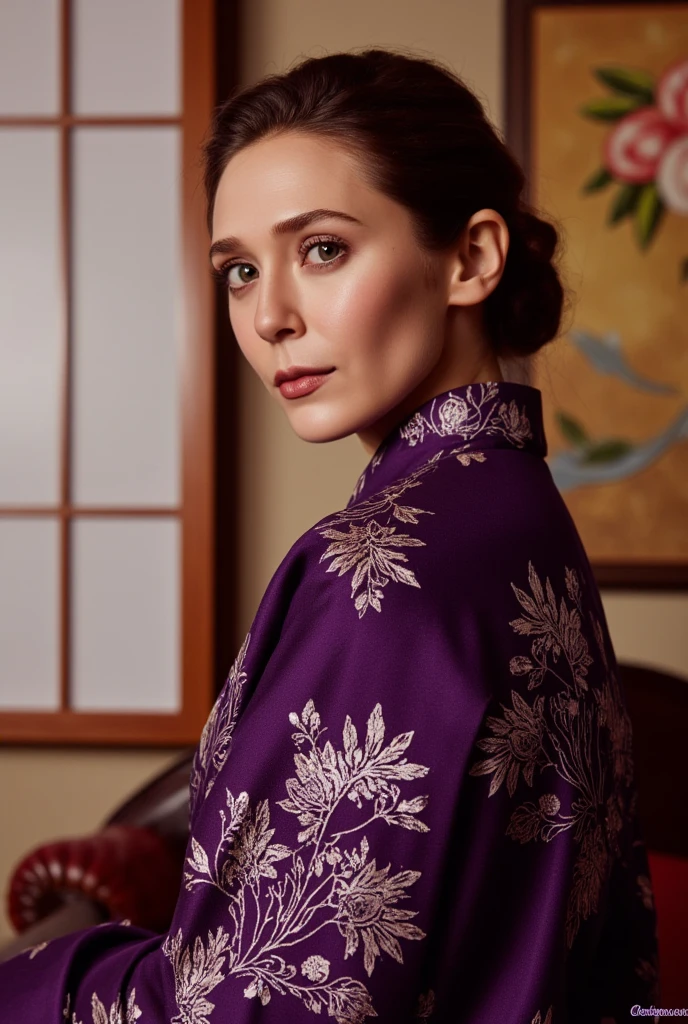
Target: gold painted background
{"x": 617, "y": 286}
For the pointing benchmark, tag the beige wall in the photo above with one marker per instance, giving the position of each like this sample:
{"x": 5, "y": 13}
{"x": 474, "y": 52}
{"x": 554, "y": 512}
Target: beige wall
{"x": 286, "y": 484}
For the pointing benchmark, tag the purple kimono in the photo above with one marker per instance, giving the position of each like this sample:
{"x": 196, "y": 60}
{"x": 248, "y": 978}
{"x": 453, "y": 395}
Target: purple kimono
{"x": 414, "y": 797}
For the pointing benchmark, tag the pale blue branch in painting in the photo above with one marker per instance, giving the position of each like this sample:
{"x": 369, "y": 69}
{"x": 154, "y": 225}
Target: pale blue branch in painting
{"x": 605, "y": 354}
{"x": 570, "y": 469}
{"x": 607, "y": 461}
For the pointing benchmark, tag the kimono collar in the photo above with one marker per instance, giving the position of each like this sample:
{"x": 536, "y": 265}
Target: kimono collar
{"x": 473, "y": 417}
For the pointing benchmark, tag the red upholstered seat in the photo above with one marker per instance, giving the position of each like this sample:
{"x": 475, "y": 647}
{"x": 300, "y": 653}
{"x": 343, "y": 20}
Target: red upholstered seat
{"x": 670, "y": 883}
{"x": 658, "y": 706}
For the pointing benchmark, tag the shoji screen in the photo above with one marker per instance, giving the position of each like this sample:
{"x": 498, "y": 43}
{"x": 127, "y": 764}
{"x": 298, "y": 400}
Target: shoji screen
{"x": 106, "y": 372}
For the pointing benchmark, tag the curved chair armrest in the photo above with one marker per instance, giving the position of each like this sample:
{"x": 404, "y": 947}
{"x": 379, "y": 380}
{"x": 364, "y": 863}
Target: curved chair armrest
{"x": 134, "y": 872}
{"x": 77, "y": 912}
{"x": 131, "y": 868}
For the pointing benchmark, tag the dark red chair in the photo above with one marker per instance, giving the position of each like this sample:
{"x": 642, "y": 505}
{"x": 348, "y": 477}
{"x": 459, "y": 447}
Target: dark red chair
{"x": 658, "y": 706}
{"x": 131, "y": 868}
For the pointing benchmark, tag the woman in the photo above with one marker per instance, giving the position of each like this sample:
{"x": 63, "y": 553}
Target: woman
{"x": 414, "y": 797}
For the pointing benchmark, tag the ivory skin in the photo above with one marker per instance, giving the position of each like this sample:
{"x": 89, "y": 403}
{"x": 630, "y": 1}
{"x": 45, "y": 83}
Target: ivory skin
{"x": 398, "y": 328}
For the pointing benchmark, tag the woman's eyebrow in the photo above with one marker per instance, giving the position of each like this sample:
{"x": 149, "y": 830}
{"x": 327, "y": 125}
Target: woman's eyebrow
{"x": 283, "y": 227}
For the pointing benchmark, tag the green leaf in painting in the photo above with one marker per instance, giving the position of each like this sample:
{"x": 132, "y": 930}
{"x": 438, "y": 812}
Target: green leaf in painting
{"x": 609, "y": 108}
{"x": 648, "y": 214}
{"x": 572, "y": 430}
{"x": 624, "y": 202}
{"x": 628, "y": 82}
{"x": 598, "y": 180}
{"x": 607, "y": 451}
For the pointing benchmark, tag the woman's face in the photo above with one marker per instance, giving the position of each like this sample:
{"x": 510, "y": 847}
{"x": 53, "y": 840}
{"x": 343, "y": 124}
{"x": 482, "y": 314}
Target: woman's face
{"x": 346, "y": 294}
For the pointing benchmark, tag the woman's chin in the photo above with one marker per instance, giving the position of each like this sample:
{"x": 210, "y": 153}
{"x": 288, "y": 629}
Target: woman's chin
{"x": 319, "y": 429}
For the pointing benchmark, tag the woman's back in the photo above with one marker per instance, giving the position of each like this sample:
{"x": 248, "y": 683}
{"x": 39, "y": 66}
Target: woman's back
{"x": 414, "y": 797}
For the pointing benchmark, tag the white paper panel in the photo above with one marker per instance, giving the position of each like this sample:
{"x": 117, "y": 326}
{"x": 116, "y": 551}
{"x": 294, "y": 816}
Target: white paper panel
{"x": 30, "y": 316}
{"x": 29, "y": 614}
{"x": 125, "y": 316}
{"x": 125, "y": 614}
{"x": 29, "y": 57}
{"x": 126, "y": 56}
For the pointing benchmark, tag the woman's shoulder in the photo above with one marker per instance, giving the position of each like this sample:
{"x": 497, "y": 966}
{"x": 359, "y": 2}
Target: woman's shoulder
{"x": 458, "y": 531}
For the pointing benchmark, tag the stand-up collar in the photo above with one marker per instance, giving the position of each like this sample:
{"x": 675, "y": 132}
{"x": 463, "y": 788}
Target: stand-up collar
{"x": 491, "y": 414}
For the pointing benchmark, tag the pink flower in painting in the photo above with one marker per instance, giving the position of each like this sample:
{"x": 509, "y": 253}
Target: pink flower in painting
{"x": 672, "y": 176}
{"x": 634, "y": 148}
{"x": 672, "y": 94}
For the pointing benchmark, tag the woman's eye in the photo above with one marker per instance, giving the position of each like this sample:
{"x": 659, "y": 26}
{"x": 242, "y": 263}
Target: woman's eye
{"x": 327, "y": 249}
{"x": 325, "y": 245}
{"x": 238, "y": 267}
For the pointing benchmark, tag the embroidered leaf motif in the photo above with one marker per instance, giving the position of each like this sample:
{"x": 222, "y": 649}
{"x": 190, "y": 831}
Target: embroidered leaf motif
{"x": 368, "y": 547}
{"x": 215, "y": 743}
{"x": 100, "y": 1015}
{"x": 324, "y": 881}
{"x": 561, "y": 732}
{"x": 197, "y": 972}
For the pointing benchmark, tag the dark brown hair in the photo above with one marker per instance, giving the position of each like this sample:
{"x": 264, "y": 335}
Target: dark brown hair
{"x": 423, "y": 139}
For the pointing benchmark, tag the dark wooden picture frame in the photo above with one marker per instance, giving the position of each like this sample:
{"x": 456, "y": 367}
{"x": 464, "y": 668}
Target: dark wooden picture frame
{"x": 520, "y": 99}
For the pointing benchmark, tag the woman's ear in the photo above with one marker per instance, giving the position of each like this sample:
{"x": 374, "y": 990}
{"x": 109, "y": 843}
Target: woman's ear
{"x": 479, "y": 258}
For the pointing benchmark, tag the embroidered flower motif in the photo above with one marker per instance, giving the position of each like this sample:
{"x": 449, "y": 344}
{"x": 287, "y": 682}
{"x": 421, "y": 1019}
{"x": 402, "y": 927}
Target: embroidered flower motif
{"x": 516, "y": 746}
{"x": 365, "y": 906}
{"x": 316, "y": 968}
{"x": 549, "y": 803}
{"x": 414, "y": 431}
{"x": 469, "y": 417}
{"x": 562, "y": 732}
{"x": 537, "y": 1019}
{"x": 337, "y": 882}
{"x": 453, "y": 414}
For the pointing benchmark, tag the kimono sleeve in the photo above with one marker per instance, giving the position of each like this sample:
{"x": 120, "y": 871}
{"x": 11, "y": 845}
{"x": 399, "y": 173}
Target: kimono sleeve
{"x": 341, "y": 861}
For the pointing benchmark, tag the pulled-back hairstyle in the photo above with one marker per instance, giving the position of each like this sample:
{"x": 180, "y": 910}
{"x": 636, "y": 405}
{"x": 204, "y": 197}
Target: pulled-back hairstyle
{"x": 421, "y": 138}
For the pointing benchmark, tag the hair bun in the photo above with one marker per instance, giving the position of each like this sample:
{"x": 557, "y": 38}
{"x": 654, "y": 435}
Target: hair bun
{"x": 524, "y": 311}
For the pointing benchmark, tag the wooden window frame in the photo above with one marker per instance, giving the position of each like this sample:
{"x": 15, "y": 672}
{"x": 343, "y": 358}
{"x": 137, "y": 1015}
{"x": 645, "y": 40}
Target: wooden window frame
{"x": 197, "y": 512}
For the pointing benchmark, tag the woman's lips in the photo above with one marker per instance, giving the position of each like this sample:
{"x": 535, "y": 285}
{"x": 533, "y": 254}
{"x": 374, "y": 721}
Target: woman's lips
{"x": 303, "y": 385}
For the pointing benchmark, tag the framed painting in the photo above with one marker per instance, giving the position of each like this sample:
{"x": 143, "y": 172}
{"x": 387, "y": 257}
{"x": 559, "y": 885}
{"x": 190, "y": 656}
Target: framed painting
{"x": 596, "y": 103}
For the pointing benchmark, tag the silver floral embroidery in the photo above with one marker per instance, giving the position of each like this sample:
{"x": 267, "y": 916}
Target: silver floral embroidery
{"x": 216, "y": 738}
{"x": 369, "y": 546}
{"x": 537, "y": 1019}
{"x": 563, "y": 733}
{"x": 197, "y": 971}
{"x": 325, "y": 881}
{"x": 466, "y": 417}
{"x": 99, "y": 1013}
